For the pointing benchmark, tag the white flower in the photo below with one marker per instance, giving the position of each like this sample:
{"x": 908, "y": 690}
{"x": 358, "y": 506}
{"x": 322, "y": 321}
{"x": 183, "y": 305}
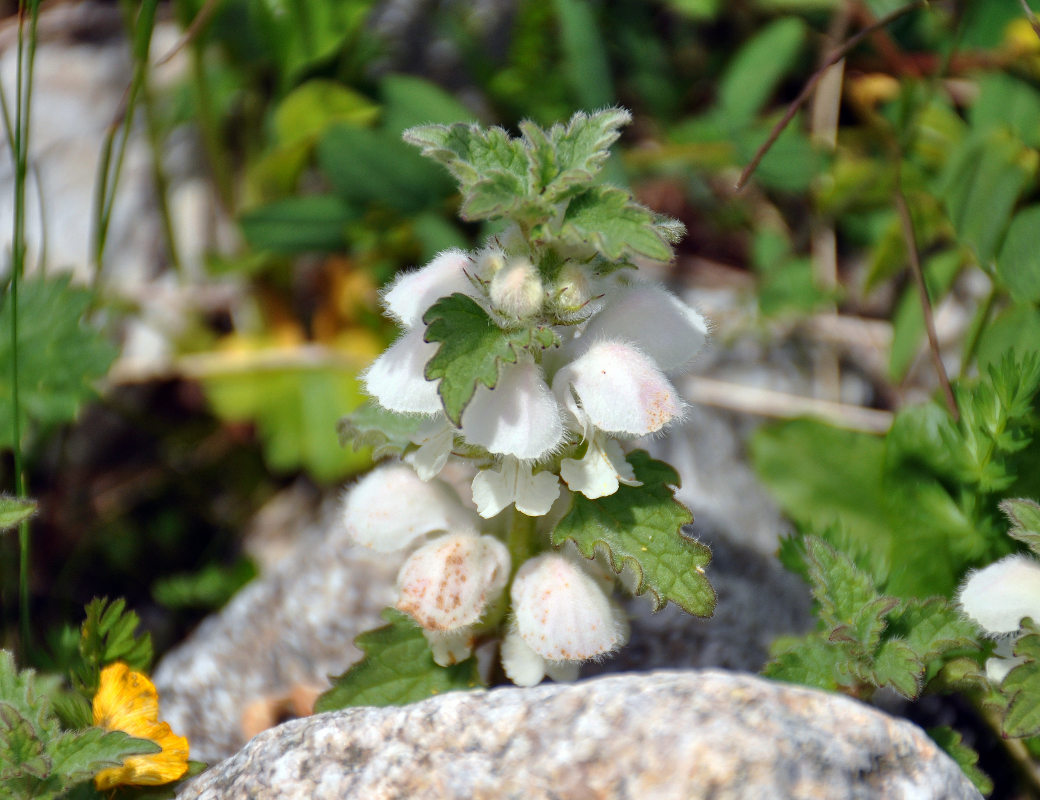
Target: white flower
{"x": 519, "y": 417}
{"x": 600, "y": 471}
{"x": 435, "y": 438}
{"x": 616, "y": 388}
{"x": 391, "y": 507}
{"x": 654, "y": 320}
{"x": 561, "y": 615}
{"x": 397, "y": 380}
{"x": 997, "y": 598}
{"x": 514, "y": 482}
{"x": 449, "y": 647}
{"x": 412, "y": 293}
{"x": 524, "y": 667}
{"x": 448, "y": 583}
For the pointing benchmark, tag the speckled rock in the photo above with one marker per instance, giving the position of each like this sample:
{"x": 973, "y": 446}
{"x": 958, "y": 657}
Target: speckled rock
{"x": 285, "y": 632}
{"x": 657, "y": 736}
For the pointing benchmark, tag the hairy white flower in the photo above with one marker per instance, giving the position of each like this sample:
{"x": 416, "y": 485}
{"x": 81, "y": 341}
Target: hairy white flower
{"x": 562, "y": 613}
{"x": 412, "y": 293}
{"x": 391, "y": 507}
{"x": 449, "y": 647}
{"x": 600, "y": 471}
{"x": 397, "y": 380}
{"x": 519, "y": 417}
{"x": 616, "y": 388}
{"x": 998, "y": 598}
{"x": 516, "y": 289}
{"x": 448, "y": 583}
{"x": 514, "y": 483}
{"x": 524, "y": 667}
{"x": 660, "y": 324}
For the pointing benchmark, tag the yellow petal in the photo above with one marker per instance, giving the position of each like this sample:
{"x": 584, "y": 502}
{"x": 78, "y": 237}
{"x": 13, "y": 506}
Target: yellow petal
{"x": 127, "y": 701}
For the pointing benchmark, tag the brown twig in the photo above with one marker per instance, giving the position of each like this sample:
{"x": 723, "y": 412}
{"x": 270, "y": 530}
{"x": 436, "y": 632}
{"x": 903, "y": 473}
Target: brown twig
{"x": 192, "y": 31}
{"x": 807, "y": 90}
{"x": 910, "y": 236}
{"x": 1031, "y": 16}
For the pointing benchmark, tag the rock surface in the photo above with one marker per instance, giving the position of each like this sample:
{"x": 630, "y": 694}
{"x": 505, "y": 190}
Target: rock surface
{"x": 659, "y": 736}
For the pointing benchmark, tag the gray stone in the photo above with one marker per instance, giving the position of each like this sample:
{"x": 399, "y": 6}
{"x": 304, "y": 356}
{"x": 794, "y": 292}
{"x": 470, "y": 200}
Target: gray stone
{"x": 684, "y": 735}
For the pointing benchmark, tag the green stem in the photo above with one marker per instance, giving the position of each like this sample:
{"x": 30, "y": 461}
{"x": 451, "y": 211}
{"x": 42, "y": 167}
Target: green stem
{"x": 210, "y": 132}
{"x": 520, "y": 541}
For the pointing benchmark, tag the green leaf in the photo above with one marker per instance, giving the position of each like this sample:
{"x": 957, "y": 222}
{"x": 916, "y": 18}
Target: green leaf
{"x": 15, "y": 510}
{"x": 1025, "y": 520}
{"x": 757, "y": 69}
{"x": 295, "y": 407}
{"x": 1018, "y": 264}
{"x": 606, "y": 218}
{"x": 932, "y": 627}
{"x": 299, "y": 224}
{"x": 386, "y": 432}
{"x": 209, "y": 588}
{"x": 79, "y": 755}
{"x": 811, "y": 660}
{"x": 369, "y": 167}
{"x": 397, "y": 669}
{"x": 896, "y": 665}
{"x": 410, "y": 101}
{"x": 641, "y": 526}
{"x": 1022, "y": 687}
{"x": 982, "y": 183}
{"x": 472, "y": 349}
{"x": 59, "y": 355}
{"x": 107, "y": 635}
{"x": 311, "y": 108}
{"x": 1005, "y": 102}
{"x": 967, "y": 759}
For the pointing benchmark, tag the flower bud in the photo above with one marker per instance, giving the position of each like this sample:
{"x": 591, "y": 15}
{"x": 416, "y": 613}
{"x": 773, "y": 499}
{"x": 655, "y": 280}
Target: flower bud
{"x": 516, "y": 290}
{"x": 490, "y": 262}
{"x": 391, "y": 507}
{"x": 561, "y": 612}
{"x": 573, "y": 290}
{"x": 447, "y": 584}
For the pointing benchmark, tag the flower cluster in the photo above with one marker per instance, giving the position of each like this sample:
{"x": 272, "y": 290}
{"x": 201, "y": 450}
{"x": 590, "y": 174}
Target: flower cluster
{"x": 554, "y": 424}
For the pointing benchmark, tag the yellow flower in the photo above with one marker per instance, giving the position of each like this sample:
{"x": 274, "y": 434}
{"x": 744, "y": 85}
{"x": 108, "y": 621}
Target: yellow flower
{"x": 127, "y": 701}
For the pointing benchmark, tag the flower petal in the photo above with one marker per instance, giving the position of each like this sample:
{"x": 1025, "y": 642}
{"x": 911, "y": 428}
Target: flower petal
{"x": 448, "y": 583}
{"x": 391, "y": 507}
{"x": 412, "y": 293}
{"x": 656, "y": 321}
{"x": 435, "y": 438}
{"x": 620, "y": 390}
{"x": 396, "y": 379}
{"x": 522, "y": 665}
{"x": 562, "y": 613}
{"x": 514, "y": 483}
{"x": 449, "y": 648}
{"x": 520, "y": 417}
{"x": 600, "y": 471}
{"x": 999, "y": 596}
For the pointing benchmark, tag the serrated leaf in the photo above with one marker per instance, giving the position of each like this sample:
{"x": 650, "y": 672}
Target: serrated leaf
{"x": 107, "y": 635}
{"x": 897, "y": 665}
{"x": 1025, "y": 519}
{"x": 967, "y": 759}
{"x": 1021, "y": 686}
{"x": 79, "y": 755}
{"x": 22, "y": 751}
{"x": 386, "y": 432}
{"x": 28, "y": 693}
{"x": 641, "y": 526}
{"x": 810, "y": 660}
{"x": 472, "y": 349}
{"x": 59, "y": 354}
{"x": 398, "y": 668}
{"x": 606, "y": 218}
{"x": 15, "y": 510}
{"x": 848, "y": 601}
{"x": 932, "y": 627}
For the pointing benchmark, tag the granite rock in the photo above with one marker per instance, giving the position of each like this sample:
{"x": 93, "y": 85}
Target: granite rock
{"x": 682, "y": 735}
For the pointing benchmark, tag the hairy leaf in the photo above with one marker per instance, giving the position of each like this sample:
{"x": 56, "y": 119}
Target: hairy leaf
{"x": 811, "y": 660}
{"x": 371, "y": 425}
{"x": 59, "y": 354}
{"x": 641, "y": 526}
{"x": 397, "y": 669}
{"x": 848, "y": 602}
{"x": 932, "y": 627}
{"x": 1025, "y": 522}
{"x": 967, "y": 759}
{"x": 472, "y": 350}
{"x": 1022, "y": 686}
{"x": 896, "y": 665}
{"x": 608, "y": 219}
{"x": 14, "y": 510}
